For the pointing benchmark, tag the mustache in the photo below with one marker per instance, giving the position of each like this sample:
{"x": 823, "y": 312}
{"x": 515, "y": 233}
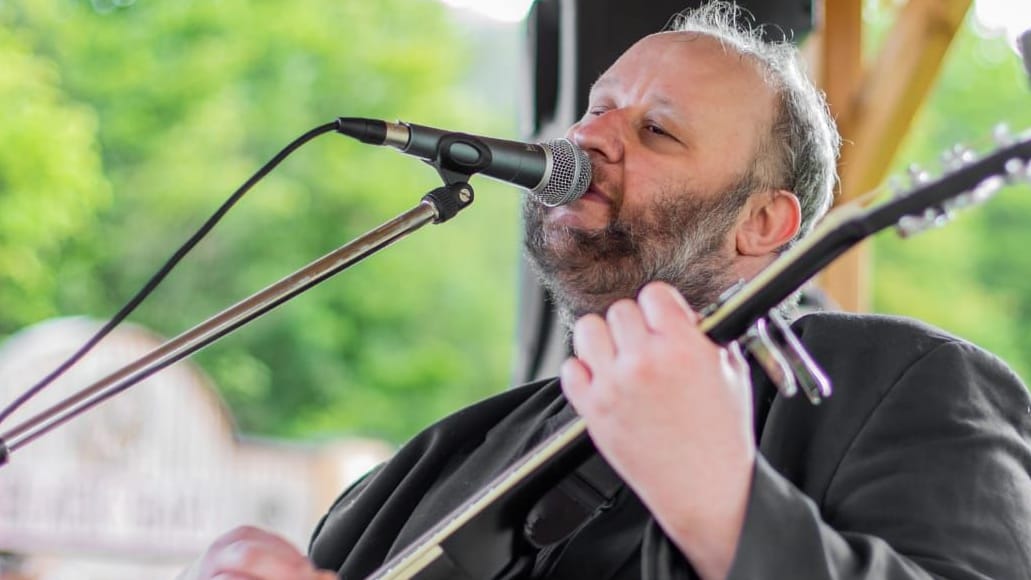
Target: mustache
{"x": 679, "y": 236}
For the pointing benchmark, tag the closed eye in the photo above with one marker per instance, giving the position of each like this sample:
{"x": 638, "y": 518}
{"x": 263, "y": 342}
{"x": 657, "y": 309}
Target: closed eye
{"x": 658, "y": 130}
{"x": 653, "y": 128}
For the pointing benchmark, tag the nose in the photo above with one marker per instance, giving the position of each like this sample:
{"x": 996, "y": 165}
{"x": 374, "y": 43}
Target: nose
{"x": 600, "y": 135}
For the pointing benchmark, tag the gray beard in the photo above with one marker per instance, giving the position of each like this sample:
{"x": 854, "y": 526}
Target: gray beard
{"x": 679, "y": 240}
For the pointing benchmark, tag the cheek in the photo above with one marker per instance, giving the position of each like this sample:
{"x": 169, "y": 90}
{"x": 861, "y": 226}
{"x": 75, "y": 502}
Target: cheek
{"x": 726, "y": 156}
{"x": 647, "y": 193}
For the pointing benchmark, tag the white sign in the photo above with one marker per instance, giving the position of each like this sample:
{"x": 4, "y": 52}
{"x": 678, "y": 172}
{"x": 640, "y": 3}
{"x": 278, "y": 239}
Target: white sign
{"x": 156, "y": 472}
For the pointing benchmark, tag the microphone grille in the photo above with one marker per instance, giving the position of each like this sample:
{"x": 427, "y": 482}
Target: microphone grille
{"x": 569, "y": 174}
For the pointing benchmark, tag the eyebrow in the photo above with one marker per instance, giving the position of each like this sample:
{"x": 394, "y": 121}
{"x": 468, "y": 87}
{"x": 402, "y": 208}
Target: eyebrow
{"x": 665, "y": 103}
{"x": 661, "y": 104}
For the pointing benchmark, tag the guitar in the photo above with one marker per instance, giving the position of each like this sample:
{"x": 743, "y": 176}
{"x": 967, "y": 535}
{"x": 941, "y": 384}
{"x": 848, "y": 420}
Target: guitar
{"x": 455, "y": 547}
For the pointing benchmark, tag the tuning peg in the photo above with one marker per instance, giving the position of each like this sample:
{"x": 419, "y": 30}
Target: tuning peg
{"x": 965, "y": 154}
{"x": 958, "y": 203}
{"x": 987, "y": 189}
{"x": 957, "y": 157}
{"x": 1017, "y": 170}
{"x": 917, "y": 176}
{"x": 1001, "y": 135}
{"x": 896, "y": 187}
{"x": 910, "y": 225}
{"x": 938, "y": 217}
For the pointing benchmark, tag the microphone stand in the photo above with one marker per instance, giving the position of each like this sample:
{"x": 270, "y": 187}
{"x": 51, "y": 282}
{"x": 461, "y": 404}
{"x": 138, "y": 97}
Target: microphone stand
{"x": 437, "y": 206}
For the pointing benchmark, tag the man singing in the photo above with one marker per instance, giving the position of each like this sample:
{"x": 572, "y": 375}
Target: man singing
{"x": 711, "y": 153}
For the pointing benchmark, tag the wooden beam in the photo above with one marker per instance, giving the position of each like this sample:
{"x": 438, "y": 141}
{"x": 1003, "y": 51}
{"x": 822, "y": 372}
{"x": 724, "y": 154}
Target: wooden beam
{"x": 897, "y": 85}
{"x": 874, "y": 115}
{"x": 839, "y": 70}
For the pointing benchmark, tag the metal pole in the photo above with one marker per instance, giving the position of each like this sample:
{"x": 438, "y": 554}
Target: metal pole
{"x": 230, "y": 319}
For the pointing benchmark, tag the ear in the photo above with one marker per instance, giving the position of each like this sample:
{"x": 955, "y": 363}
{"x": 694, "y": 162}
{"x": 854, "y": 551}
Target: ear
{"x": 768, "y": 221}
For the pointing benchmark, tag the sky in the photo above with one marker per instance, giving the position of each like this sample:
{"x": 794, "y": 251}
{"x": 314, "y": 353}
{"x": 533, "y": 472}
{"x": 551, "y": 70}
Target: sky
{"x": 1009, "y": 18}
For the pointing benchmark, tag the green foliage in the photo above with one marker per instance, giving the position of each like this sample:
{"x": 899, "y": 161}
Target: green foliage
{"x": 175, "y": 104}
{"x": 123, "y": 125}
{"x": 51, "y": 183}
{"x": 973, "y": 277}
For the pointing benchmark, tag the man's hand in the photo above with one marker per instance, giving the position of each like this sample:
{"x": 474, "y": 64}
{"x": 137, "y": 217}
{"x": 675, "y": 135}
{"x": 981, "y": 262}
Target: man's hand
{"x": 671, "y": 411}
{"x": 248, "y": 553}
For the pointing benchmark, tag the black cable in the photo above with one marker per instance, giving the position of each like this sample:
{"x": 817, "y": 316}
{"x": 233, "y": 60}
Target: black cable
{"x": 165, "y": 270}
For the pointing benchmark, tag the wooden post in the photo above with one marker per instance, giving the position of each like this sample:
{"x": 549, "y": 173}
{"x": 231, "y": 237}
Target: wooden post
{"x": 839, "y": 73}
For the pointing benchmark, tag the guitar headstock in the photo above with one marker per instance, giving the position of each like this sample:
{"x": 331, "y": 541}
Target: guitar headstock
{"x": 968, "y": 179}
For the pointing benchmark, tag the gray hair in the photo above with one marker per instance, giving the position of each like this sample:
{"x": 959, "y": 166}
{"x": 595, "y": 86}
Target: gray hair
{"x": 801, "y": 150}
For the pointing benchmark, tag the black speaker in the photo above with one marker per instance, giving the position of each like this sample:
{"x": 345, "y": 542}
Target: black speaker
{"x": 569, "y": 44}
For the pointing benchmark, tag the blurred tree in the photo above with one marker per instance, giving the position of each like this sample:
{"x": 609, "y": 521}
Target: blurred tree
{"x": 51, "y": 183}
{"x": 189, "y": 98}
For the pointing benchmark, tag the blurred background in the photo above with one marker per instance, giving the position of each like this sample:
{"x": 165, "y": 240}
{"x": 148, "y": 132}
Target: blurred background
{"x": 125, "y": 123}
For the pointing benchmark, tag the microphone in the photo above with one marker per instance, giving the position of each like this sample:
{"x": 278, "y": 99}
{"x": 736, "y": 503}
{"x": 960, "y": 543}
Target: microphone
{"x": 555, "y": 173}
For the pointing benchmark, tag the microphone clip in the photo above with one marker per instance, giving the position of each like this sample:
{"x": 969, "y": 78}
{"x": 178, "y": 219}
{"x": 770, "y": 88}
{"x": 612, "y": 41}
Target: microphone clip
{"x": 458, "y": 157}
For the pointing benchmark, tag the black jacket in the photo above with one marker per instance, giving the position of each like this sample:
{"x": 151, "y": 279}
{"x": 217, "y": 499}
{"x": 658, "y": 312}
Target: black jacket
{"x": 918, "y": 466}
